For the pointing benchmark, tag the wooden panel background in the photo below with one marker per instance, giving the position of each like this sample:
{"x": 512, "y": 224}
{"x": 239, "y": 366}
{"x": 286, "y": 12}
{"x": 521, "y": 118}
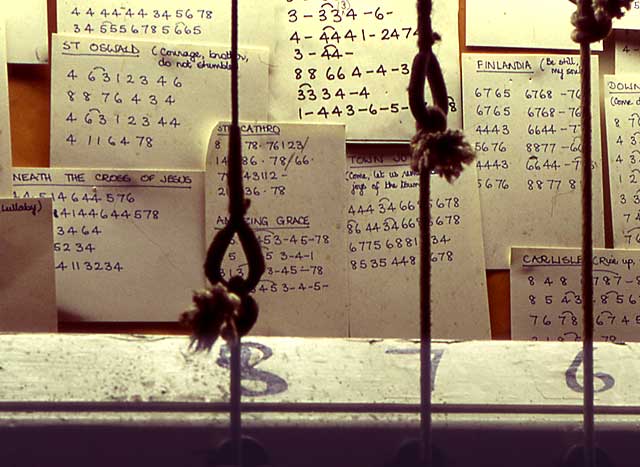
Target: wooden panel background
{"x": 29, "y": 90}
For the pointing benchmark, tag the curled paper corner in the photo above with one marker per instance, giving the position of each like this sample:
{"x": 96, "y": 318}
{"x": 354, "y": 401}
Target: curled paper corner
{"x": 42, "y": 54}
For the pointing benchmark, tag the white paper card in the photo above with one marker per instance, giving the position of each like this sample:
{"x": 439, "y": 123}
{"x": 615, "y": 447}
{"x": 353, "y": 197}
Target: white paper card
{"x": 5, "y": 131}
{"x": 546, "y": 294}
{"x": 622, "y": 108}
{"x": 627, "y": 51}
{"x": 543, "y": 24}
{"x": 350, "y": 63}
{"x": 522, "y": 116}
{"x": 26, "y": 31}
{"x": 187, "y": 20}
{"x": 384, "y": 255}
{"x": 128, "y": 245}
{"x": 631, "y": 18}
{"x": 294, "y": 177}
{"x": 123, "y": 103}
{"x": 27, "y": 284}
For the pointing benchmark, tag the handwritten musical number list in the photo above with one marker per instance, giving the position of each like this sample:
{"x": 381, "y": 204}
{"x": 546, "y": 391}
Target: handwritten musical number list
{"x": 522, "y": 116}
{"x": 546, "y": 294}
{"x": 622, "y": 104}
{"x": 293, "y": 176}
{"x": 128, "y": 245}
{"x": 187, "y": 20}
{"x": 349, "y": 62}
{"x": 383, "y": 230}
{"x": 123, "y": 103}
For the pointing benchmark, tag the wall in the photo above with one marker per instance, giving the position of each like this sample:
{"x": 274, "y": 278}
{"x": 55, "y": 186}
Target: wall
{"x": 29, "y": 90}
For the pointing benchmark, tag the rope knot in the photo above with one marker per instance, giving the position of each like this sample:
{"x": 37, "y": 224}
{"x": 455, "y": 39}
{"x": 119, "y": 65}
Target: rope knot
{"x": 594, "y": 24}
{"x": 443, "y": 152}
{"x": 611, "y": 8}
{"x": 219, "y": 311}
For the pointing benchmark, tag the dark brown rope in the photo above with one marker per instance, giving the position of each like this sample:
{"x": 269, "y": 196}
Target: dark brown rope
{"x": 592, "y": 21}
{"x": 434, "y": 148}
{"x": 226, "y": 309}
{"x": 211, "y": 315}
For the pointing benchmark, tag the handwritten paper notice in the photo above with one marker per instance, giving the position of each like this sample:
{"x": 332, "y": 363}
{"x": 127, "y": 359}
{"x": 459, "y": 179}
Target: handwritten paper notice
{"x": 384, "y": 254}
{"x": 349, "y": 62}
{"x": 26, "y": 23}
{"x": 546, "y": 295}
{"x": 118, "y": 103}
{"x": 294, "y": 177}
{"x": 627, "y": 51}
{"x": 631, "y": 18}
{"x": 543, "y": 24}
{"x": 522, "y": 116}
{"x": 622, "y": 108}
{"x": 128, "y": 245}
{"x": 5, "y": 132}
{"x": 27, "y": 284}
{"x": 188, "y": 20}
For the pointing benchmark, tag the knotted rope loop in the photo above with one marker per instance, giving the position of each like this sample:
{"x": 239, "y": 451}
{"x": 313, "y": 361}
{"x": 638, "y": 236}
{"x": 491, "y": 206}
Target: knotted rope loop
{"x": 433, "y": 147}
{"x": 251, "y": 249}
{"x": 226, "y": 309}
{"x": 425, "y": 67}
{"x": 594, "y": 22}
{"x": 440, "y": 152}
{"x": 219, "y": 312}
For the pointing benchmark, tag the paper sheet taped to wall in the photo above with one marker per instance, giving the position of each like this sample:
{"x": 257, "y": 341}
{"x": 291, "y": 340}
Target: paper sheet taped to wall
{"x": 349, "y": 62}
{"x": 622, "y": 108}
{"x": 27, "y": 284}
{"x": 543, "y": 24}
{"x": 294, "y": 177}
{"x": 627, "y": 51}
{"x": 145, "y": 104}
{"x": 384, "y": 255}
{"x": 5, "y": 132}
{"x": 546, "y": 294}
{"x": 128, "y": 244}
{"x": 26, "y": 23}
{"x": 162, "y": 20}
{"x": 522, "y": 116}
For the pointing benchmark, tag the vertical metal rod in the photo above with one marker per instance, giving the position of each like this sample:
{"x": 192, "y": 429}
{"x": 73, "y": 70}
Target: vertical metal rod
{"x": 587, "y": 247}
{"x": 425, "y": 318}
{"x": 235, "y": 347}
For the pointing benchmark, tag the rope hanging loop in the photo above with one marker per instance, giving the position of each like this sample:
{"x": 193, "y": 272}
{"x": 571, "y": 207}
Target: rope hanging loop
{"x": 434, "y": 147}
{"x": 226, "y": 309}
